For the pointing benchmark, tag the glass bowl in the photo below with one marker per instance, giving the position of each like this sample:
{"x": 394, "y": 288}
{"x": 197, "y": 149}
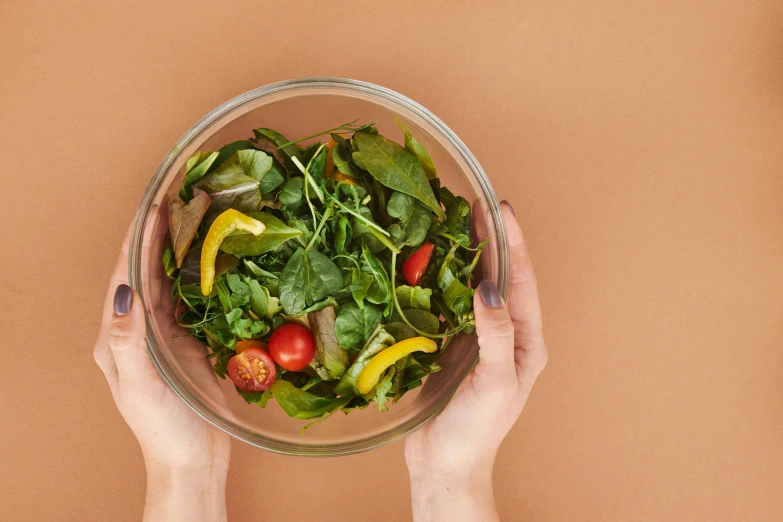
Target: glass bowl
{"x": 300, "y": 108}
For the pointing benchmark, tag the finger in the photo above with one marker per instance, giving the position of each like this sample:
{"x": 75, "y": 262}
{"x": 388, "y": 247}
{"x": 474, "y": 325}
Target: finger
{"x": 495, "y": 332}
{"x": 523, "y": 302}
{"x": 126, "y": 336}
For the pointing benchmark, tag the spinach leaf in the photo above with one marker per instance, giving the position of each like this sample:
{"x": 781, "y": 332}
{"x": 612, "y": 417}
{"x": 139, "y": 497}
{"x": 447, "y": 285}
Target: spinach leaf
{"x": 396, "y": 168}
{"x": 308, "y": 278}
{"x": 277, "y": 139}
{"x": 259, "y": 398}
{"x": 330, "y": 359}
{"x": 274, "y": 235}
{"x": 354, "y": 324}
{"x": 458, "y": 297}
{"x": 195, "y": 169}
{"x": 292, "y": 195}
{"x": 380, "y": 288}
{"x": 316, "y": 164}
{"x": 301, "y": 404}
{"x": 415, "y": 219}
{"x": 191, "y": 266}
{"x": 421, "y": 319}
{"x": 413, "y": 297}
{"x": 226, "y": 151}
{"x": 415, "y": 371}
{"x": 184, "y": 220}
{"x": 258, "y": 299}
{"x": 364, "y": 233}
{"x": 254, "y": 163}
{"x": 342, "y": 160}
{"x": 413, "y": 146}
{"x": 348, "y": 385}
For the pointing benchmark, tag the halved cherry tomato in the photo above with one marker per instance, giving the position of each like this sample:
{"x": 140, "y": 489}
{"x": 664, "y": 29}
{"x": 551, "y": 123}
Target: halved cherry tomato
{"x": 292, "y": 346}
{"x": 241, "y": 346}
{"x": 252, "y": 370}
{"x": 415, "y": 266}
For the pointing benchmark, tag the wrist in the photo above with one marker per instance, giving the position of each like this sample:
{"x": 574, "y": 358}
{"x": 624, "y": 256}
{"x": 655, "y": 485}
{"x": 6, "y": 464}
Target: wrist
{"x": 462, "y": 495}
{"x": 185, "y": 492}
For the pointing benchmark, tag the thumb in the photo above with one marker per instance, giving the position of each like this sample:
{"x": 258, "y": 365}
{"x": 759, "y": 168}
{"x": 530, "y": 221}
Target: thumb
{"x": 495, "y": 331}
{"x": 126, "y": 336}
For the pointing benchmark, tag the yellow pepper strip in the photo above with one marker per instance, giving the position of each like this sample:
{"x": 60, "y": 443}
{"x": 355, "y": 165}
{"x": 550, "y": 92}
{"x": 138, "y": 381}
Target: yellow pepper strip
{"x": 226, "y": 223}
{"x": 385, "y": 358}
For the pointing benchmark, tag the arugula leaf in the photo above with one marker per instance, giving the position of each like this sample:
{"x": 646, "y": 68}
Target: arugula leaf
{"x": 275, "y": 234}
{"x": 240, "y": 292}
{"x": 254, "y": 397}
{"x": 458, "y": 297}
{"x": 330, "y": 358}
{"x": 195, "y": 169}
{"x": 308, "y": 278}
{"x": 348, "y": 385}
{"x": 242, "y": 327}
{"x": 413, "y": 297}
{"x": 292, "y": 195}
{"x": 383, "y": 387}
{"x": 457, "y": 213}
{"x": 415, "y": 219}
{"x": 342, "y": 235}
{"x": 301, "y": 404}
{"x": 354, "y": 324}
{"x": 184, "y": 220}
{"x": 395, "y": 168}
{"x": 413, "y": 146}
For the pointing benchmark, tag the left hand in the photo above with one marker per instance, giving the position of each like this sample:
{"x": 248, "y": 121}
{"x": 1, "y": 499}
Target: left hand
{"x": 181, "y": 451}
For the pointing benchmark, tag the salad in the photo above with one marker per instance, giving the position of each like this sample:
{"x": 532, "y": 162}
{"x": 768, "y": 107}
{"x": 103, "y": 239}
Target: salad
{"x": 327, "y": 277}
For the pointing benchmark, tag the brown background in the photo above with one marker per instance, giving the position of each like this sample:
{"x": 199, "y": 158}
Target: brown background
{"x": 639, "y": 142}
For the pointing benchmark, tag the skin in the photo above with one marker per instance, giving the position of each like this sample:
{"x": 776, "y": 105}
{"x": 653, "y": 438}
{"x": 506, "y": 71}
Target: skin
{"x": 450, "y": 459}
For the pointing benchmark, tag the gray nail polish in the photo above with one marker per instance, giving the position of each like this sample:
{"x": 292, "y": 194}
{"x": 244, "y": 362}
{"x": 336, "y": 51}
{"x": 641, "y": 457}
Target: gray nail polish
{"x": 509, "y": 206}
{"x": 123, "y": 298}
{"x": 489, "y": 294}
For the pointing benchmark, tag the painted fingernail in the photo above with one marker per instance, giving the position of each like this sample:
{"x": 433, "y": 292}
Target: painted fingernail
{"x": 505, "y": 201}
{"x": 123, "y": 298}
{"x": 489, "y": 294}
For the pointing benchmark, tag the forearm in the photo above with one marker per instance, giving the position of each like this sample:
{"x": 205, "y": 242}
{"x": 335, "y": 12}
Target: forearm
{"x": 191, "y": 495}
{"x": 453, "y": 497}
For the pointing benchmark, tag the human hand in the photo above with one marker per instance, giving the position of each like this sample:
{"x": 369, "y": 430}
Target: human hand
{"x": 186, "y": 458}
{"x": 451, "y": 458}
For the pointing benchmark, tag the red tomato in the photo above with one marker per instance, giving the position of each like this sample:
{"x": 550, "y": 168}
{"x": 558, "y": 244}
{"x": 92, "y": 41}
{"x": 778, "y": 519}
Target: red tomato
{"x": 252, "y": 370}
{"x": 292, "y": 346}
{"x": 415, "y": 266}
{"x": 241, "y": 346}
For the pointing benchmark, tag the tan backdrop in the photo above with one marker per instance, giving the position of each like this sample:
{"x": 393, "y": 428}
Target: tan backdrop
{"x": 639, "y": 142}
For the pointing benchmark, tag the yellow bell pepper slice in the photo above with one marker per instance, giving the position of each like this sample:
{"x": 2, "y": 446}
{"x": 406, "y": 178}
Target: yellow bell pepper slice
{"x": 226, "y": 223}
{"x": 385, "y": 358}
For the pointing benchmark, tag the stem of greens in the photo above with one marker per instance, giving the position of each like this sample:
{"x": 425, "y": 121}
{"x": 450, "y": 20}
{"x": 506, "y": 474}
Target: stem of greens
{"x": 327, "y": 214}
{"x": 307, "y": 175}
{"x": 360, "y": 217}
{"x": 345, "y": 127}
{"x": 454, "y": 240}
{"x": 397, "y": 306}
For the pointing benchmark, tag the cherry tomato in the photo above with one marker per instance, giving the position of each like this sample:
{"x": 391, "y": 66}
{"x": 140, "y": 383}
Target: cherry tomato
{"x": 241, "y": 346}
{"x": 292, "y": 346}
{"x": 415, "y": 266}
{"x": 252, "y": 370}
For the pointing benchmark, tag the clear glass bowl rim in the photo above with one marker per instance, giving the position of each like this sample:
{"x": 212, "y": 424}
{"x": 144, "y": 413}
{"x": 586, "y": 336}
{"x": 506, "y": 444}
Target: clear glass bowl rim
{"x": 207, "y": 123}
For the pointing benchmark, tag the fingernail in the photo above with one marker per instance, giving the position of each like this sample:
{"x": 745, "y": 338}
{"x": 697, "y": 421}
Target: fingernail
{"x": 123, "y": 298}
{"x": 505, "y": 201}
{"x": 489, "y": 294}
